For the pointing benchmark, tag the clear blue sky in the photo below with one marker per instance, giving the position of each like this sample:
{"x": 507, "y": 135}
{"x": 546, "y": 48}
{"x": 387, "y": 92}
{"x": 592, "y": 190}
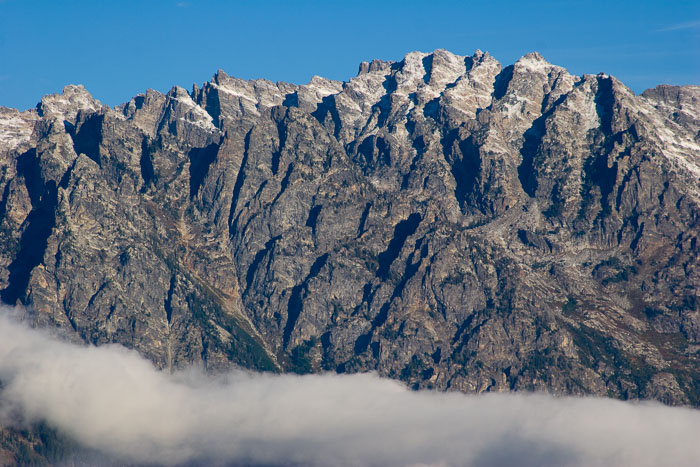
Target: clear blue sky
{"x": 118, "y": 49}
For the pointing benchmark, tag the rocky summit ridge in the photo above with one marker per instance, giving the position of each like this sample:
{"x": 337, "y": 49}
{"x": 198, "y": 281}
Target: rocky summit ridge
{"x": 443, "y": 220}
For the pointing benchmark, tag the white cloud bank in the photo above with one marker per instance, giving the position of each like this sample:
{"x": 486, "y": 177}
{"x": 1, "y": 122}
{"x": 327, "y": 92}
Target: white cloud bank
{"x": 111, "y": 399}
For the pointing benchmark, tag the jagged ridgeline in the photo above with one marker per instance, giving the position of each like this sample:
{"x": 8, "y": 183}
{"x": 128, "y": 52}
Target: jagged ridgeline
{"x": 442, "y": 220}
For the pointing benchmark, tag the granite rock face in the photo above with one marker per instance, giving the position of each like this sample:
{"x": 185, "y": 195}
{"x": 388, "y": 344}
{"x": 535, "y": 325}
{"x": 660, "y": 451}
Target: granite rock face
{"x": 443, "y": 220}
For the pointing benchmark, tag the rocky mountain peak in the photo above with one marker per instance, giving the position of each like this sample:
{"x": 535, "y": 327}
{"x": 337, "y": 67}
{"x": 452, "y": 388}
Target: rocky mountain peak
{"x": 65, "y": 106}
{"x": 15, "y": 127}
{"x": 678, "y": 103}
{"x": 533, "y": 57}
{"x": 374, "y": 65}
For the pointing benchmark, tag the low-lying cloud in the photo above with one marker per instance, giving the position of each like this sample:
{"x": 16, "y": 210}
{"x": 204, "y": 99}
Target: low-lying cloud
{"x": 111, "y": 399}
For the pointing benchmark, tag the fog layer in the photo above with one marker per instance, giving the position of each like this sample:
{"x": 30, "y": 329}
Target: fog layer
{"x": 111, "y": 399}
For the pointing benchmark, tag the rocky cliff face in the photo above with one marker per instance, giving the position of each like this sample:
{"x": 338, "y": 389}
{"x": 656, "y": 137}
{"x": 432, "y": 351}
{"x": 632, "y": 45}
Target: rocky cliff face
{"x": 443, "y": 220}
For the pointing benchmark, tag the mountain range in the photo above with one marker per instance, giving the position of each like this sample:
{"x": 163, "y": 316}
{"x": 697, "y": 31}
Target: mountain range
{"x": 443, "y": 220}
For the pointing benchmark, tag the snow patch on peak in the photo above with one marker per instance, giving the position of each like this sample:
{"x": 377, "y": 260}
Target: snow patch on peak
{"x": 193, "y": 113}
{"x": 534, "y": 56}
{"x": 678, "y": 103}
{"x": 473, "y": 91}
{"x": 367, "y": 88}
{"x": 237, "y": 97}
{"x": 322, "y": 87}
{"x": 446, "y": 54}
{"x": 252, "y": 94}
{"x": 678, "y": 146}
{"x": 535, "y": 63}
{"x": 15, "y": 127}
{"x": 415, "y": 56}
{"x": 180, "y": 95}
{"x": 236, "y": 91}
{"x": 445, "y": 68}
{"x": 411, "y": 73}
{"x": 267, "y": 93}
{"x": 65, "y": 106}
{"x": 374, "y": 65}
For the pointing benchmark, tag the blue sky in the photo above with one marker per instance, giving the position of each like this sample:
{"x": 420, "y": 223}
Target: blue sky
{"x": 118, "y": 49}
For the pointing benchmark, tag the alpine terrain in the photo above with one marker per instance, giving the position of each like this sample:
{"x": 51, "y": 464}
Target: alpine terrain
{"x": 443, "y": 220}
